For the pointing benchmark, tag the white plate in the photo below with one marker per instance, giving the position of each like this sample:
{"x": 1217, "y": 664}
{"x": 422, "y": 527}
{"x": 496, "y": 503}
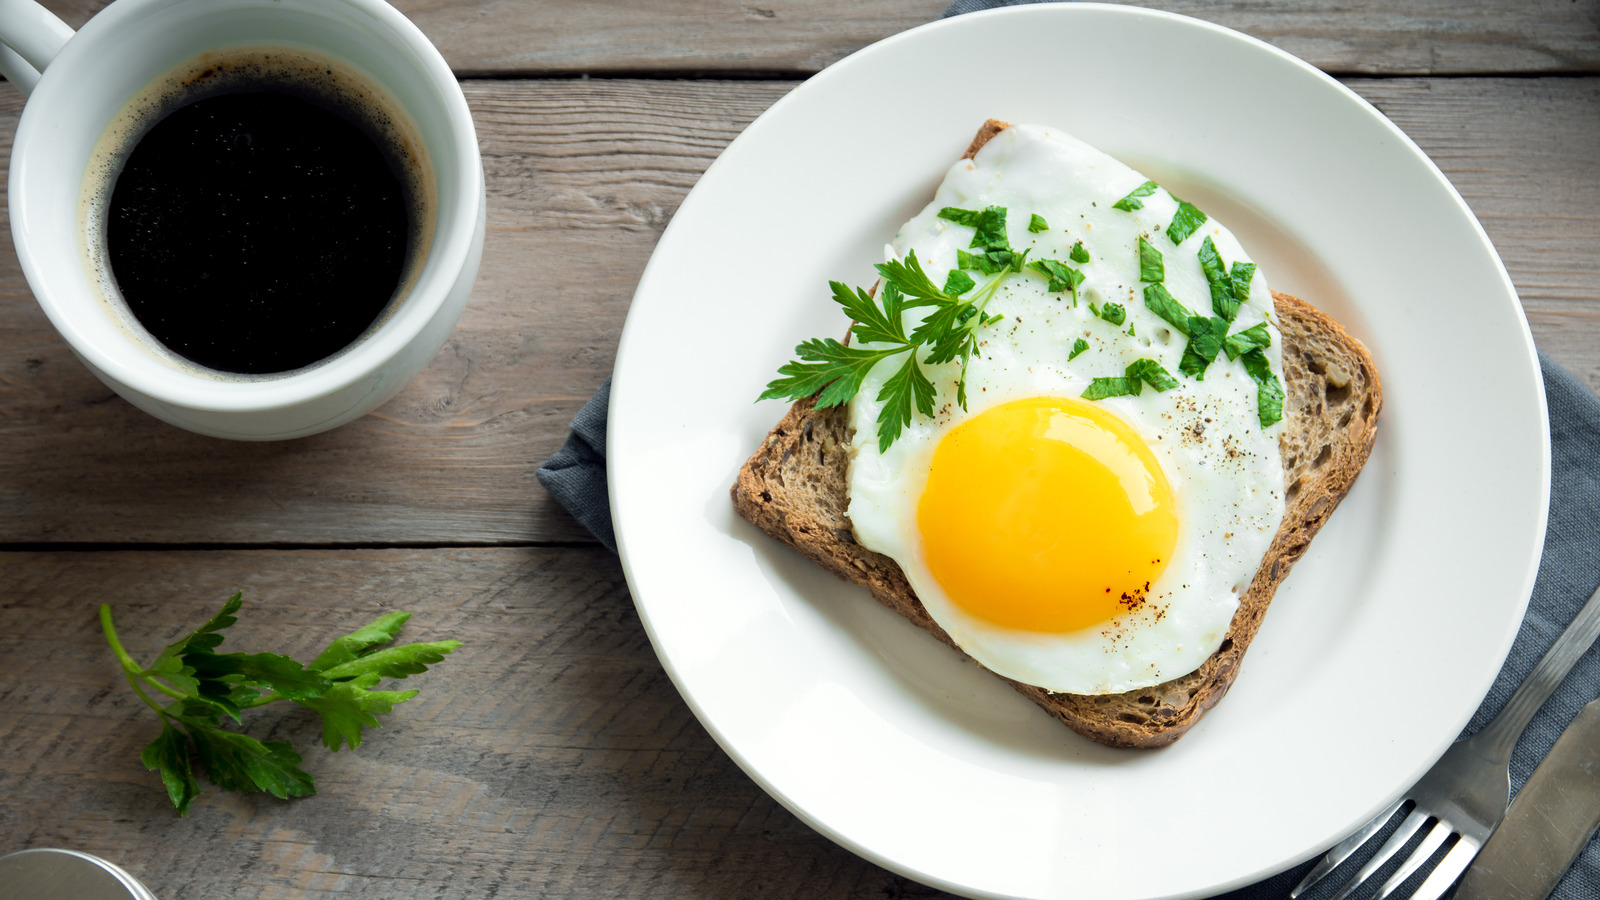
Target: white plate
{"x": 1377, "y": 649}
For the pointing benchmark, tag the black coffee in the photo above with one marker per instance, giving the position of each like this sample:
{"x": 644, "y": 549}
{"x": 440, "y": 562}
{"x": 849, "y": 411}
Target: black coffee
{"x": 257, "y": 232}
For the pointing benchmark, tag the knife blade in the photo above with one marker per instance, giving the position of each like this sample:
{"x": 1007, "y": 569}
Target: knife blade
{"x": 1548, "y": 824}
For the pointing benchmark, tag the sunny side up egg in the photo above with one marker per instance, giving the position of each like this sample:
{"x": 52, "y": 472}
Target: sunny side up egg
{"x": 1082, "y": 546}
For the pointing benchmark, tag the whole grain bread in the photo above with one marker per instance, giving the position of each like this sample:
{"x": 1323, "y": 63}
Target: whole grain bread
{"x": 795, "y": 488}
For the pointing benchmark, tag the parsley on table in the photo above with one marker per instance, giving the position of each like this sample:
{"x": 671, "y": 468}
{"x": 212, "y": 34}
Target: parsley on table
{"x": 1037, "y": 224}
{"x": 1151, "y": 266}
{"x": 206, "y": 686}
{"x": 1132, "y": 201}
{"x": 1185, "y": 221}
{"x": 835, "y": 372}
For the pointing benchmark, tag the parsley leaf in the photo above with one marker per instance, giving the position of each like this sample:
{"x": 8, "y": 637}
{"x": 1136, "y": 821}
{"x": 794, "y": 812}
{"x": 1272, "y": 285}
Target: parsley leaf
{"x": 1244, "y": 341}
{"x": 834, "y": 372}
{"x": 393, "y": 662}
{"x": 1242, "y": 273}
{"x": 169, "y": 755}
{"x": 1269, "y": 391}
{"x": 901, "y": 391}
{"x": 988, "y": 224}
{"x": 1158, "y": 301}
{"x": 1222, "y": 300}
{"x": 1205, "y": 341}
{"x": 1151, "y": 267}
{"x": 1078, "y": 346}
{"x": 349, "y": 705}
{"x": 363, "y": 640}
{"x": 238, "y": 762}
{"x": 874, "y": 322}
{"x": 1037, "y": 224}
{"x": 1078, "y": 253}
{"x": 268, "y": 671}
{"x": 1185, "y": 221}
{"x": 1132, "y": 201}
{"x": 827, "y": 366}
{"x": 1113, "y": 313}
{"x": 1062, "y": 276}
{"x": 205, "y": 685}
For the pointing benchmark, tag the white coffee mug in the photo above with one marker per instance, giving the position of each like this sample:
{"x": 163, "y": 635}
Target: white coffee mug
{"x": 78, "y": 83}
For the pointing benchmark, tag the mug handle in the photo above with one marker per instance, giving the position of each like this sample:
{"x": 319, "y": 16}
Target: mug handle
{"x": 31, "y": 36}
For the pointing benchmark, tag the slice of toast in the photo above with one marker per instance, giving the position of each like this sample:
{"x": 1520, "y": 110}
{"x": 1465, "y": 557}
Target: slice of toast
{"x": 796, "y": 488}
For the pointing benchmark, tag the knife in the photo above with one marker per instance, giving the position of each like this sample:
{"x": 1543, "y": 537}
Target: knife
{"x": 1548, "y": 824}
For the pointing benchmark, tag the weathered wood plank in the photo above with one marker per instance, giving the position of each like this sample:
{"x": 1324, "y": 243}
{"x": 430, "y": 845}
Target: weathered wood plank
{"x": 801, "y": 36}
{"x": 582, "y": 177}
{"x": 549, "y": 757}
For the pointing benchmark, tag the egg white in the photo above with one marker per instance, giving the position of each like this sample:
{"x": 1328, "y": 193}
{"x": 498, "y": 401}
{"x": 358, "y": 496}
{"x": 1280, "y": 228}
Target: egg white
{"x": 1224, "y": 467}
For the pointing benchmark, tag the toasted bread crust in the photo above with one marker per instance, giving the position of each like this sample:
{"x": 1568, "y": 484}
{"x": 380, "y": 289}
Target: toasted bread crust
{"x": 795, "y": 488}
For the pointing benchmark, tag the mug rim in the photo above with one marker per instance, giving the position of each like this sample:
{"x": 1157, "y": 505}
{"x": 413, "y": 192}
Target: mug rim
{"x": 447, "y": 256}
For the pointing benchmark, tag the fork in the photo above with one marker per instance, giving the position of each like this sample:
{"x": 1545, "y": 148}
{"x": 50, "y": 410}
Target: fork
{"x": 1467, "y": 791}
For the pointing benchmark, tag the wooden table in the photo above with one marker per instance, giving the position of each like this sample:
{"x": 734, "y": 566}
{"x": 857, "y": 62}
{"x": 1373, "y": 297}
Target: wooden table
{"x": 551, "y": 756}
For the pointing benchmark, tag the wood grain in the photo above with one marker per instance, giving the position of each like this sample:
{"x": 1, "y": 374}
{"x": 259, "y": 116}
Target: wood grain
{"x": 582, "y": 177}
{"x": 499, "y": 37}
{"x": 548, "y": 757}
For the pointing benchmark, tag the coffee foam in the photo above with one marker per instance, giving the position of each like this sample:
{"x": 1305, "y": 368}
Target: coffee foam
{"x": 316, "y": 79}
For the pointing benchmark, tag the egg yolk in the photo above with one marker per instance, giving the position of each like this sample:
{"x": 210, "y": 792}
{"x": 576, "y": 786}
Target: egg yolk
{"x": 1047, "y": 514}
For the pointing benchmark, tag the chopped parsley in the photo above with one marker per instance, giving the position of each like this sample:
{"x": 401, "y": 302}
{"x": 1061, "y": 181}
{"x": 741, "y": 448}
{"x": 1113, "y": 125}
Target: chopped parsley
{"x": 1062, "y": 276}
{"x": 1185, "y": 221}
{"x": 1269, "y": 391}
{"x": 1151, "y": 266}
{"x": 1158, "y": 301}
{"x": 1152, "y": 373}
{"x": 1037, "y": 224}
{"x": 1139, "y": 373}
{"x": 1241, "y": 342}
{"x": 1240, "y": 279}
{"x": 1132, "y": 201}
{"x": 1223, "y": 302}
{"x": 1078, "y": 253}
{"x": 1205, "y": 341}
{"x": 1078, "y": 346}
{"x": 958, "y": 282}
{"x": 990, "y": 262}
{"x": 1114, "y": 313}
{"x": 988, "y": 224}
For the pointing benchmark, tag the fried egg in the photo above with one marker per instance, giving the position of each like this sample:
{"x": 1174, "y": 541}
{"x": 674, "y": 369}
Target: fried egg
{"x": 1082, "y": 546}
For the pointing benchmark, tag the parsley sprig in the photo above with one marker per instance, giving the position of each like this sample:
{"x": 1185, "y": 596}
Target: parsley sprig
{"x": 207, "y": 687}
{"x": 948, "y": 333}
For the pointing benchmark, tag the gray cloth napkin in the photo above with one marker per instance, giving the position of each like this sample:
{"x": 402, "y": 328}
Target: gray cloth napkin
{"x": 1568, "y": 573}
{"x": 576, "y": 474}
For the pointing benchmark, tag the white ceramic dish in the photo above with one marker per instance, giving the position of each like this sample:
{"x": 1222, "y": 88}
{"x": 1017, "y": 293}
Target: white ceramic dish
{"x": 889, "y": 743}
